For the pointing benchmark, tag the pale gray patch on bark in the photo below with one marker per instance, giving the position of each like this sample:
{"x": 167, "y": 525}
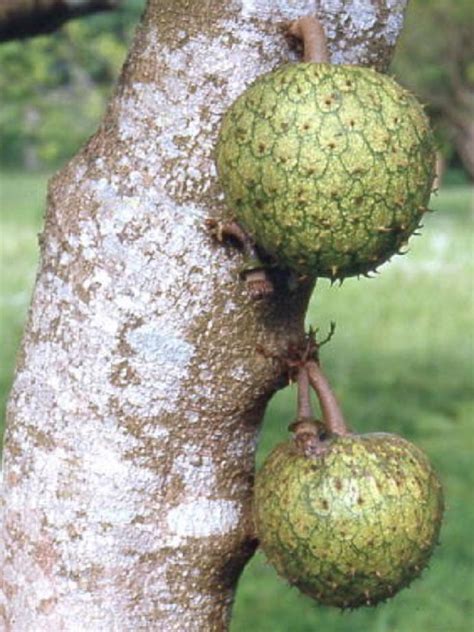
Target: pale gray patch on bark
{"x": 134, "y": 414}
{"x": 362, "y": 32}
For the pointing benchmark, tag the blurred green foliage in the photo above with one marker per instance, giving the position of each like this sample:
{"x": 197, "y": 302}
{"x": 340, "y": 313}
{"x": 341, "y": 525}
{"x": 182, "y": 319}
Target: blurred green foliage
{"x": 54, "y": 88}
{"x": 435, "y": 45}
{"x": 435, "y": 58}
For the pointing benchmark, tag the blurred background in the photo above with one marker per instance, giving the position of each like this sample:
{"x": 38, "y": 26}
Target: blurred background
{"x": 402, "y": 356}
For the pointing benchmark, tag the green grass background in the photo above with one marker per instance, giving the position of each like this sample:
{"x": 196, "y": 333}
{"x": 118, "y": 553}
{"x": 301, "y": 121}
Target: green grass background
{"x": 401, "y": 361}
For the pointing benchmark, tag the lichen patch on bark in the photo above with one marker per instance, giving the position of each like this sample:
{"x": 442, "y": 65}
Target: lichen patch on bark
{"x": 203, "y": 518}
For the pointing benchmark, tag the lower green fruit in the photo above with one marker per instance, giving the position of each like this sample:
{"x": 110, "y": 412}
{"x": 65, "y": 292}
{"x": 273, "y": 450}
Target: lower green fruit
{"x": 353, "y": 524}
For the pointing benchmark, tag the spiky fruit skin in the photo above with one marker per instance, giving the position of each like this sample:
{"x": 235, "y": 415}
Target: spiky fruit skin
{"x": 351, "y": 526}
{"x": 329, "y": 168}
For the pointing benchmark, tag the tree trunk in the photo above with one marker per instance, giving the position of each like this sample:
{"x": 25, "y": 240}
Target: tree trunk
{"x": 463, "y": 137}
{"x": 25, "y": 18}
{"x": 133, "y": 419}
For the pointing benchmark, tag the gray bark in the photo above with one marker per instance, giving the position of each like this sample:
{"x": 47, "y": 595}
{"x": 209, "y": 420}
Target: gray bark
{"x": 133, "y": 419}
{"x": 26, "y": 18}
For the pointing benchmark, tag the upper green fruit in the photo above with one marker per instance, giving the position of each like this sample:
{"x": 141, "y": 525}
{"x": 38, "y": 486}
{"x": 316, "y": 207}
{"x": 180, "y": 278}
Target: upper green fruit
{"x": 352, "y": 525}
{"x": 328, "y": 167}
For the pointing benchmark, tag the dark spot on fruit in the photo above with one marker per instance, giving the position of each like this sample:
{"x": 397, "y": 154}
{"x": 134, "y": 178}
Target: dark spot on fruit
{"x": 299, "y": 90}
{"x": 261, "y": 148}
{"x": 332, "y": 145}
{"x": 338, "y": 484}
{"x": 327, "y": 101}
{"x": 395, "y": 120}
{"x": 324, "y": 504}
{"x": 360, "y": 500}
{"x": 306, "y": 126}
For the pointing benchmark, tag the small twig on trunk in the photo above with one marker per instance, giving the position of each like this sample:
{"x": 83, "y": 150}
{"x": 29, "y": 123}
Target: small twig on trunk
{"x": 254, "y": 272}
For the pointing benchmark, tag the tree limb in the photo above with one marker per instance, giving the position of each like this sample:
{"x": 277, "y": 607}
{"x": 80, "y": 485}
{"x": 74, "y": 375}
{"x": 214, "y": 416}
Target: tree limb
{"x": 133, "y": 419}
{"x": 27, "y": 18}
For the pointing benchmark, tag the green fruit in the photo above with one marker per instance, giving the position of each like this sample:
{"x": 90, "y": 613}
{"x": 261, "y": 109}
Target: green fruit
{"x": 352, "y": 525}
{"x": 329, "y": 168}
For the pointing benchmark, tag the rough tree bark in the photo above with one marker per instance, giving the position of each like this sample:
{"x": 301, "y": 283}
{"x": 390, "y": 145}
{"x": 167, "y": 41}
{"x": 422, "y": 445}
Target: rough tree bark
{"x": 25, "y": 18}
{"x": 133, "y": 419}
{"x": 460, "y": 118}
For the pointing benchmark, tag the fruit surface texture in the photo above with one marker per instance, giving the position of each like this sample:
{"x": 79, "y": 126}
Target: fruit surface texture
{"x": 351, "y": 526}
{"x": 329, "y": 168}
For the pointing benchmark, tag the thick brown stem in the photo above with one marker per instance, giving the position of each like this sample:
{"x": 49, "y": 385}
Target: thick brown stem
{"x": 310, "y": 30}
{"x": 331, "y": 411}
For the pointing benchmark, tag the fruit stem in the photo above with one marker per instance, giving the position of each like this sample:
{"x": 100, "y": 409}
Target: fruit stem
{"x": 304, "y": 402}
{"x": 330, "y": 409}
{"x": 310, "y": 30}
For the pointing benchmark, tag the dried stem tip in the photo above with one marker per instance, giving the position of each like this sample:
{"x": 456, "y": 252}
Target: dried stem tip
{"x": 310, "y": 30}
{"x": 258, "y": 283}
